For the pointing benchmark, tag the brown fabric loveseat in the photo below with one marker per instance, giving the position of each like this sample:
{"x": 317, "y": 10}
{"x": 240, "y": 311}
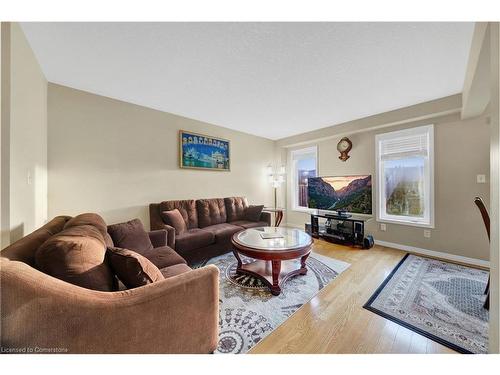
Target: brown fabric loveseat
{"x": 47, "y": 315}
{"x": 210, "y": 225}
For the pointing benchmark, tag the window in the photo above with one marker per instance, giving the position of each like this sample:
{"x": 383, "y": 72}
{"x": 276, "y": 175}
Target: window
{"x": 304, "y": 165}
{"x": 405, "y": 176}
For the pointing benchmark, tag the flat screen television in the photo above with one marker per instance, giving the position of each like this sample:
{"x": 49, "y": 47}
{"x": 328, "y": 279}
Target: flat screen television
{"x": 347, "y": 193}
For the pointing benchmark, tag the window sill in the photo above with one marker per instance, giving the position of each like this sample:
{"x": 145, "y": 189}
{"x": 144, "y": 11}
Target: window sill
{"x": 303, "y": 210}
{"x": 406, "y": 223}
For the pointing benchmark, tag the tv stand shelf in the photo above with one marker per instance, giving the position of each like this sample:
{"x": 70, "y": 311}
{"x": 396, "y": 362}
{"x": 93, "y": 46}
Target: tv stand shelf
{"x": 344, "y": 229}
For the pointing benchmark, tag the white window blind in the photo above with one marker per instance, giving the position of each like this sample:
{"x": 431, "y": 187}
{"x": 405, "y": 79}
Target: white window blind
{"x": 405, "y": 146}
{"x": 308, "y": 153}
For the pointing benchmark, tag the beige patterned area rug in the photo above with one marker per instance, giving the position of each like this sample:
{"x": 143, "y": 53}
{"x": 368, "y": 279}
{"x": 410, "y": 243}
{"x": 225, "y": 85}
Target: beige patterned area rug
{"x": 440, "y": 300}
{"x": 249, "y": 312}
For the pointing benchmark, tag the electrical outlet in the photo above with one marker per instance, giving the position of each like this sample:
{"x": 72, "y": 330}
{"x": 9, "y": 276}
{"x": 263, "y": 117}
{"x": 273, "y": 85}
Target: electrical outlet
{"x": 427, "y": 233}
{"x": 481, "y": 178}
{"x": 383, "y": 227}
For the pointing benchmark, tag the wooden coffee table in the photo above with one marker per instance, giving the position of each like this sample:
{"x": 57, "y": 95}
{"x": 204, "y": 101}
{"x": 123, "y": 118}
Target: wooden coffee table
{"x": 276, "y": 259}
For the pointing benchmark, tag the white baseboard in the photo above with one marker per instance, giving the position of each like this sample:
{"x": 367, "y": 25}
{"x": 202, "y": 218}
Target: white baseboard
{"x": 417, "y": 250}
{"x": 436, "y": 254}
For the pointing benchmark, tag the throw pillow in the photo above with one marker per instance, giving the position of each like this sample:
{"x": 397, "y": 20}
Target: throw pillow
{"x": 252, "y": 213}
{"x": 174, "y": 219}
{"x": 130, "y": 235}
{"x": 132, "y": 268}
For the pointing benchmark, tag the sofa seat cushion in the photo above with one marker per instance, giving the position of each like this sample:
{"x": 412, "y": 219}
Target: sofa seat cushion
{"x": 132, "y": 268}
{"x": 194, "y": 239}
{"x": 249, "y": 224}
{"x": 224, "y": 231}
{"x": 211, "y": 212}
{"x": 174, "y": 270}
{"x": 76, "y": 255}
{"x": 163, "y": 257}
{"x": 130, "y": 235}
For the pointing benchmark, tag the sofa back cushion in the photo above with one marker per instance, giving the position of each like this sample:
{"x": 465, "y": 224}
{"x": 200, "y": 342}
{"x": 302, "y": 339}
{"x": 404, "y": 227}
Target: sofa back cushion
{"x": 94, "y": 220}
{"x": 252, "y": 213}
{"x": 155, "y": 220}
{"x": 175, "y": 220}
{"x": 235, "y": 208}
{"x": 76, "y": 255}
{"x": 187, "y": 208}
{"x": 130, "y": 235}
{"x": 211, "y": 212}
{"x": 131, "y": 268}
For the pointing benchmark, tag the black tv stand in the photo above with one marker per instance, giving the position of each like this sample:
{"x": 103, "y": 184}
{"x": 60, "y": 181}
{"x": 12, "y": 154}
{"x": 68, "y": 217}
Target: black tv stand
{"x": 336, "y": 216}
{"x": 345, "y": 229}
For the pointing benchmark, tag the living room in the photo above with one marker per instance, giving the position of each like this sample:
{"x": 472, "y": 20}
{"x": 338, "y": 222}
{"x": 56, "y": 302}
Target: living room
{"x": 199, "y": 171}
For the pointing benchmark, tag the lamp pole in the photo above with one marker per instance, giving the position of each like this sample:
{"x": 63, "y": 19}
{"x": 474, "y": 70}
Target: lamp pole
{"x": 276, "y": 177}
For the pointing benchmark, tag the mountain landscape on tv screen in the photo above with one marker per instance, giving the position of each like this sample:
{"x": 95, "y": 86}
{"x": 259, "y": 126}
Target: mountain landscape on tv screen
{"x": 353, "y": 194}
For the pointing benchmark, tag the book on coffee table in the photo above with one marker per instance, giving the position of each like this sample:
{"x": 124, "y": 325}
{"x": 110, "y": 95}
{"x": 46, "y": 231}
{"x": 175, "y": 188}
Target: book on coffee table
{"x": 268, "y": 236}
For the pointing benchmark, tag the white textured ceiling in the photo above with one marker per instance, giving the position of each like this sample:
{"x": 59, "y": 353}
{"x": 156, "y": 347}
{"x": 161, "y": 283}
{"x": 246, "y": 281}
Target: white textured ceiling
{"x": 268, "y": 79}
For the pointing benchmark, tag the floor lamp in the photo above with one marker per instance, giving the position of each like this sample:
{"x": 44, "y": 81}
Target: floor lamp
{"x": 276, "y": 177}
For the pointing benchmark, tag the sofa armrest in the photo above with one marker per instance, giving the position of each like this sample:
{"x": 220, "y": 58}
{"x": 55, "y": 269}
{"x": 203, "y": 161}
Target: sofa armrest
{"x": 158, "y": 237}
{"x": 170, "y": 235}
{"x": 266, "y": 216}
{"x": 175, "y": 315}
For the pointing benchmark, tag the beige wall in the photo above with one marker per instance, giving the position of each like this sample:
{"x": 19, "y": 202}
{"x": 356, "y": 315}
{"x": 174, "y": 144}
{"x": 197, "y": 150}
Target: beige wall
{"x": 461, "y": 152}
{"x": 115, "y": 158}
{"x": 4, "y": 134}
{"x": 26, "y": 148}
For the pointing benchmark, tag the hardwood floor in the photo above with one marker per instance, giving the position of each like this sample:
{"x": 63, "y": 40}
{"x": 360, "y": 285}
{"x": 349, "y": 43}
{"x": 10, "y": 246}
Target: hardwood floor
{"x": 334, "y": 321}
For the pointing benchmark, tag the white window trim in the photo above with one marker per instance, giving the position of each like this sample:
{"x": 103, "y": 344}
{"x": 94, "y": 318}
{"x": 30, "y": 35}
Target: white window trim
{"x": 294, "y": 176}
{"x": 379, "y": 196}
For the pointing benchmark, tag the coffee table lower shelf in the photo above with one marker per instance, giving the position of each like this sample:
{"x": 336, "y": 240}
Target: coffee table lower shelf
{"x": 273, "y": 273}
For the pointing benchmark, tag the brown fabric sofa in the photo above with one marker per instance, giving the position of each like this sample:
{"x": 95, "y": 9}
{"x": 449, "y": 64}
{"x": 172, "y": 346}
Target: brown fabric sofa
{"x": 210, "y": 222}
{"x": 175, "y": 315}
